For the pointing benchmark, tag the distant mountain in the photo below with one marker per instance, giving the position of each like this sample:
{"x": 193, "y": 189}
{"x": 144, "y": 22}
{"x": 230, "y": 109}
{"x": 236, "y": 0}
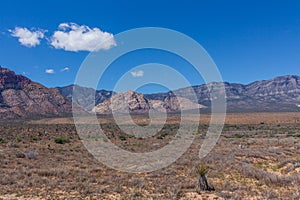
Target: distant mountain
{"x": 20, "y": 97}
{"x": 133, "y": 102}
{"x": 85, "y": 95}
{"x": 280, "y": 94}
{"x": 124, "y": 102}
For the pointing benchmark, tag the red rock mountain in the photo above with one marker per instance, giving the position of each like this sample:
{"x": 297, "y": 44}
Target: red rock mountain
{"x": 133, "y": 102}
{"x": 21, "y": 97}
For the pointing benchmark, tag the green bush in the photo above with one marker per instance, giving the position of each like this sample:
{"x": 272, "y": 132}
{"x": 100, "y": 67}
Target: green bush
{"x": 290, "y": 134}
{"x": 34, "y": 139}
{"x": 2, "y": 140}
{"x": 238, "y": 135}
{"x": 122, "y": 137}
{"x": 61, "y": 140}
{"x": 20, "y": 155}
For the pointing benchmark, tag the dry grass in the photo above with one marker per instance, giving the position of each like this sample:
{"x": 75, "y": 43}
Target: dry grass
{"x": 231, "y": 118}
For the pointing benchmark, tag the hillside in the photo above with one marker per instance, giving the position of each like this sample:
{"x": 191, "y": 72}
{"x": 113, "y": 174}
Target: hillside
{"x": 22, "y": 98}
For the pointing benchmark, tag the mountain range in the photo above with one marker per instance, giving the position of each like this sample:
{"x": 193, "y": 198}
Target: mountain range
{"x": 21, "y": 97}
{"x": 278, "y": 94}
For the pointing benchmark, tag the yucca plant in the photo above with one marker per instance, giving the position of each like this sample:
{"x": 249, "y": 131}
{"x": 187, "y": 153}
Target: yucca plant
{"x": 203, "y": 184}
{"x": 201, "y": 170}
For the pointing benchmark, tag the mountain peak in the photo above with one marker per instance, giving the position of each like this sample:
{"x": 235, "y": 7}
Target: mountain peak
{"x": 21, "y": 97}
{"x": 4, "y": 70}
{"x": 286, "y": 77}
{"x": 124, "y": 102}
{"x": 10, "y": 80}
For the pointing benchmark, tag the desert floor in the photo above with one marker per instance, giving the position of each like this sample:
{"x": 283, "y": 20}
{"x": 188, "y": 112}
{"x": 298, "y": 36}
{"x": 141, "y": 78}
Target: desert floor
{"x": 256, "y": 157}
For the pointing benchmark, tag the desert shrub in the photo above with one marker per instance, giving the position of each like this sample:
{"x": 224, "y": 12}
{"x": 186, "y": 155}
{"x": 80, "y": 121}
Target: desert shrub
{"x": 226, "y": 195}
{"x": 270, "y": 194}
{"x": 34, "y": 139}
{"x": 2, "y": 140}
{"x": 61, "y": 140}
{"x": 122, "y": 137}
{"x": 269, "y": 178}
{"x": 20, "y": 155}
{"x": 237, "y": 135}
{"x": 131, "y": 136}
{"x": 13, "y": 145}
{"x": 292, "y": 167}
{"x": 32, "y": 155}
{"x": 285, "y": 162}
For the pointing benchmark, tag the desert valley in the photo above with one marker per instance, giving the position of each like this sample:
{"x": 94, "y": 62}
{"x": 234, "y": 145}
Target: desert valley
{"x": 149, "y": 100}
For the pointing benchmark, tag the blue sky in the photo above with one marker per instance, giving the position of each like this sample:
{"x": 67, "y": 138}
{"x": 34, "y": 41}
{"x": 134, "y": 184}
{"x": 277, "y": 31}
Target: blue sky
{"x": 248, "y": 40}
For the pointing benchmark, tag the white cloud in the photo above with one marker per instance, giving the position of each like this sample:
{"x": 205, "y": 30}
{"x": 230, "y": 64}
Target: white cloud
{"x": 25, "y": 73}
{"x": 49, "y": 71}
{"x": 65, "y": 69}
{"x": 28, "y": 38}
{"x": 74, "y": 37}
{"x": 139, "y": 73}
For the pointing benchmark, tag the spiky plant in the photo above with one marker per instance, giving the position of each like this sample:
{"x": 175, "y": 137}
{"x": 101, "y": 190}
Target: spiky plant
{"x": 201, "y": 170}
{"x": 203, "y": 184}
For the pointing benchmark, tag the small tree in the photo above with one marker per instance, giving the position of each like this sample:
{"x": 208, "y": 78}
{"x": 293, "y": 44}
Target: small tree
{"x": 203, "y": 184}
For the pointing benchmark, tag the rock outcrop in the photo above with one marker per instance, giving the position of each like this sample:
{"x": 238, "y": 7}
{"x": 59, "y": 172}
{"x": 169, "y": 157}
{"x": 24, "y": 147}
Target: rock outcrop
{"x": 133, "y": 102}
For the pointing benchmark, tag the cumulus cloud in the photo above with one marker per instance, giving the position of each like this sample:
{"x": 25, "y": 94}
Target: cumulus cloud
{"x": 28, "y": 38}
{"x": 65, "y": 69}
{"x": 74, "y": 37}
{"x": 49, "y": 71}
{"x": 139, "y": 73}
